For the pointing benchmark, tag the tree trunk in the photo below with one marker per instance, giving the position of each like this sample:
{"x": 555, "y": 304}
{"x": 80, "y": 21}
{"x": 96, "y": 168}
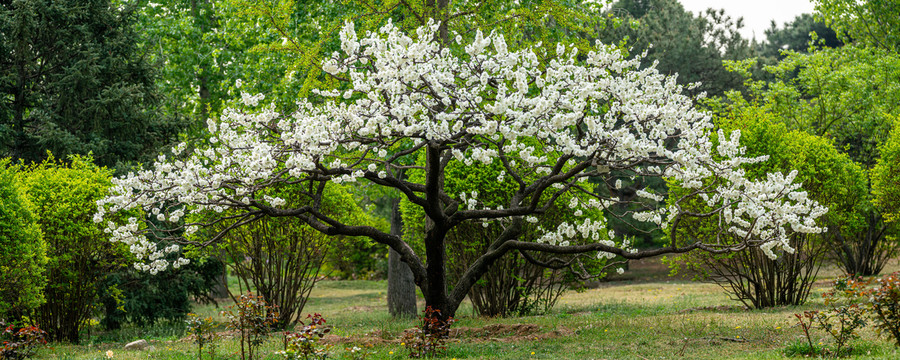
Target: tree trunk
{"x": 401, "y": 293}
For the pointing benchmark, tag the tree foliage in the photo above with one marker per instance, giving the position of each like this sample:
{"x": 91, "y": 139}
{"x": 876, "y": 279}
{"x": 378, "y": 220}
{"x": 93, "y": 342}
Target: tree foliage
{"x": 885, "y": 186}
{"x": 868, "y": 23}
{"x": 72, "y": 81}
{"x": 846, "y": 94}
{"x": 22, "y": 248}
{"x": 797, "y": 36}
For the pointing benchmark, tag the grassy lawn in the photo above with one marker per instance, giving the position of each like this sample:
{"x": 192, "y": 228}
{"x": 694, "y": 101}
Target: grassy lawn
{"x": 643, "y": 316}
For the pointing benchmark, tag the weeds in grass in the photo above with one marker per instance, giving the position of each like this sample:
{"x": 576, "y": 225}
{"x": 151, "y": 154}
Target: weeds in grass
{"x": 360, "y": 353}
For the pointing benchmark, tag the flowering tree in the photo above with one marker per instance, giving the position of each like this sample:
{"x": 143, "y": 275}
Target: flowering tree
{"x": 556, "y": 123}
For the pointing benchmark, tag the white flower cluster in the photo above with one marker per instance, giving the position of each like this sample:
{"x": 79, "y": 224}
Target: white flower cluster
{"x": 487, "y": 104}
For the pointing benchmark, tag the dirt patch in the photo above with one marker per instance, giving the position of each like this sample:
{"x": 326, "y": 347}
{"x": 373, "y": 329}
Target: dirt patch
{"x": 487, "y": 333}
{"x": 507, "y": 333}
{"x": 363, "y": 308}
{"x": 720, "y": 308}
{"x": 496, "y": 330}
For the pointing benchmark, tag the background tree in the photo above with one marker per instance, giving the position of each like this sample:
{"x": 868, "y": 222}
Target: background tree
{"x": 796, "y": 36}
{"x": 848, "y": 95}
{"x": 79, "y": 257}
{"x": 868, "y": 23}
{"x": 22, "y": 249}
{"x": 691, "y": 46}
{"x": 72, "y": 81}
{"x": 581, "y": 119}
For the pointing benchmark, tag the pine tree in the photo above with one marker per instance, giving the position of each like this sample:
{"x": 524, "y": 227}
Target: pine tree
{"x": 72, "y": 81}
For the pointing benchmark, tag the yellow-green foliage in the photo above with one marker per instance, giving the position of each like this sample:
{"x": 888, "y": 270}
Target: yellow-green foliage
{"x": 79, "y": 254}
{"x": 22, "y": 248}
{"x": 885, "y": 182}
{"x": 828, "y": 175}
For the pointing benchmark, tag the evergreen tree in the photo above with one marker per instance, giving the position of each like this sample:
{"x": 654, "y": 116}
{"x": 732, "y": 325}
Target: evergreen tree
{"x": 795, "y": 36}
{"x": 691, "y": 46}
{"x": 73, "y": 82}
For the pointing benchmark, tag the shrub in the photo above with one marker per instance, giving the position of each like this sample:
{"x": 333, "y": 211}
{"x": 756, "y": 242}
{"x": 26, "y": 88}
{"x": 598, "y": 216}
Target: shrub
{"x": 20, "y": 343}
{"x": 203, "y": 331}
{"x": 142, "y": 299}
{"x": 430, "y": 338}
{"x": 886, "y": 306}
{"x": 280, "y": 258}
{"x": 851, "y": 302}
{"x": 80, "y": 256}
{"x": 304, "y": 344}
{"x": 846, "y": 314}
{"x": 253, "y": 318}
{"x": 22, "y": 249}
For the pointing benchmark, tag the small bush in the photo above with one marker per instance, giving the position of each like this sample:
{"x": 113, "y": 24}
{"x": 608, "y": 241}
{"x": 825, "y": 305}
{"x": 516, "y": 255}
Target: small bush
{"x": 254, "y": 319}
{"x": 20, "y": 343}
{"x": 203, "y": 330}
{"x": 851, "y": 303}
{"x": 303, "y": 344}
{"x": 885, "y": 301}
{"x": 429, "y": 339}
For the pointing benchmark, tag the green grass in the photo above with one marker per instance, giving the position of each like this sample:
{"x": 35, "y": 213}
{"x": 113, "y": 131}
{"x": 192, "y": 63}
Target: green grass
{"x": 662, "y": 319}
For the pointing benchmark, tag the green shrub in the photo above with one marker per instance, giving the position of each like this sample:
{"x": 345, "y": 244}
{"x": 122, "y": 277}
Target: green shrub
{"x": 80, "y": 256}
{"x": 884, "y": 176}
{"x": 22, "y": 249}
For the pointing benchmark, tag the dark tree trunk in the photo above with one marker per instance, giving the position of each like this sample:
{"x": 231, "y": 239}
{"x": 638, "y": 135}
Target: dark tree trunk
{"x": 18, "y": 149}
{"x": 220, "y": 290}
{"x": 401, "y": 294}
